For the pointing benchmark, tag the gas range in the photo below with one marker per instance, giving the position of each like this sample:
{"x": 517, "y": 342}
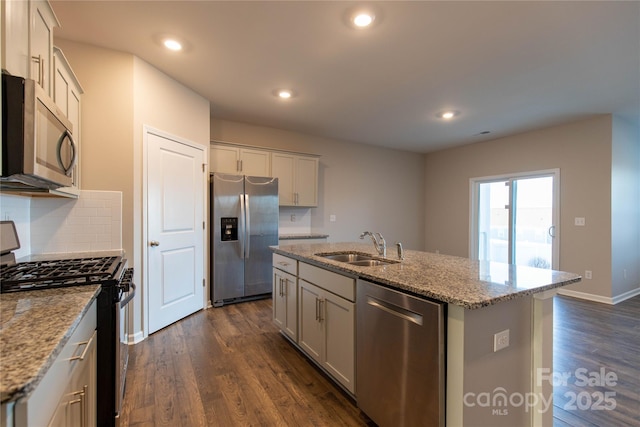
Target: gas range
{"x": 26, "y": 276}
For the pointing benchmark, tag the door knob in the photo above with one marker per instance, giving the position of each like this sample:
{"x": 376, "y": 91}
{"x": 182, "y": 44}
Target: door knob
{"x": 154, "y": 243}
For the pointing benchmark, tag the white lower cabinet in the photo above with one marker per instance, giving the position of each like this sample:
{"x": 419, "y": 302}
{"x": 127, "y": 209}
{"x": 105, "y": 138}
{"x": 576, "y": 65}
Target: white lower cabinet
{"x": 316, "y": 309}
{"x": 66, "y": 396}
{"x": 78, "y": 404}
{"x": 285, "y": 303}
{"x": 326, "y": 323}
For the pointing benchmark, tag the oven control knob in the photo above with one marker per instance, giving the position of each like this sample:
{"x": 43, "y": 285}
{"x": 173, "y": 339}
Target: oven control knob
{"x": 154, "y": 243}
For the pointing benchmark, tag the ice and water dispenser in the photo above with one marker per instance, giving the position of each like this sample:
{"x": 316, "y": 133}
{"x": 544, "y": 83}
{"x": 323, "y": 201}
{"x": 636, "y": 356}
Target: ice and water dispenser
{"x": 229, "y": 229}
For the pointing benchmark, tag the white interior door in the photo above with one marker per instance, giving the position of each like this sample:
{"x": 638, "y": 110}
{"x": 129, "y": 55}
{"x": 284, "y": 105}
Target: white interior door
{"x": 175, "y": 201}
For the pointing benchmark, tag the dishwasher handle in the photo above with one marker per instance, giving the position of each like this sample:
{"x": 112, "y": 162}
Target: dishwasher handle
{"x": 395, "y": 310}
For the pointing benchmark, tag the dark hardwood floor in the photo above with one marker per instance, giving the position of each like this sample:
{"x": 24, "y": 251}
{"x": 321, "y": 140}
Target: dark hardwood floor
{"x": 597, "y": 347}
{"x": 230, "y": 367}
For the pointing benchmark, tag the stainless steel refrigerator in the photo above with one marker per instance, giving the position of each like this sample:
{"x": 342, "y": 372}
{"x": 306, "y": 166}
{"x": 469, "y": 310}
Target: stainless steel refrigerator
{"x": 244, "y": 223}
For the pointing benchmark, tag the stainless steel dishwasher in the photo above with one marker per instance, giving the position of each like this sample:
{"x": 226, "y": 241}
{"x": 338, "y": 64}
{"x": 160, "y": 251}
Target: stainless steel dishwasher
{"x": 400, "y": 357}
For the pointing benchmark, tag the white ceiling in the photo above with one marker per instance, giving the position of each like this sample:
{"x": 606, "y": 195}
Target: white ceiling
{"x": 507, "y": 66}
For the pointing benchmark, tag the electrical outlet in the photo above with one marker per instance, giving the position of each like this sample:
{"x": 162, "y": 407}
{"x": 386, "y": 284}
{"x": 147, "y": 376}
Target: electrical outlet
{"x": 293, "y": 217}
{"x": 588, "y": 274}
{"x": 579, "y": 221}
{"x": 501, "y": 340}
{"x": 332, "y": 218}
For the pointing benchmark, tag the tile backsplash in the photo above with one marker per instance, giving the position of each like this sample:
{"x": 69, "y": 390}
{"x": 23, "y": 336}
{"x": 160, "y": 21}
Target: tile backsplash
{"x": 92, "y": 222}
{"x": 18, "y": 209}
{"x": 294, "y": 220}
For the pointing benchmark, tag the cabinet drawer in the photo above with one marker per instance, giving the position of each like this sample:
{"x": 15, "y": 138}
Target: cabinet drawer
{"x": 285, "y": 264}
{"x": 333, "y": 282}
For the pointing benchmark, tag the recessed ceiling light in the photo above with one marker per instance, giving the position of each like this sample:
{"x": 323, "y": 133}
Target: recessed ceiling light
{"x": 284, "y": 93}
{"x": 448, "y": 114}
{"x": 363, "y": 19}
{"x": 172, "y": 44}
{"x": 360, "y": 17}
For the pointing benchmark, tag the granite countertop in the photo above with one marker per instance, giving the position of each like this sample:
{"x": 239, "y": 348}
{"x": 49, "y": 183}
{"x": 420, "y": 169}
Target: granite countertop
{"x": 34, "y": 327}
{"x": 459, "y": 281}
{"x": 302, "y": 236}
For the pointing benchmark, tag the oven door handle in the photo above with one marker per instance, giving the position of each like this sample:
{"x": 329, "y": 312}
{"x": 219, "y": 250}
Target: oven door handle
{"x": 132, "y": 293}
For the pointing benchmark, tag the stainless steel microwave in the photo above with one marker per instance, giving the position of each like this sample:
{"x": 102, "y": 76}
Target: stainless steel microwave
{"x": 38, "y": 150}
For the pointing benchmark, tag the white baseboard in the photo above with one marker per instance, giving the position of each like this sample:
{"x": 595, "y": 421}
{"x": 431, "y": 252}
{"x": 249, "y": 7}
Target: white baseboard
{"x": 136, "y": 338}
{"x": 599, "y": 298}
{"x": 625, "y": 296}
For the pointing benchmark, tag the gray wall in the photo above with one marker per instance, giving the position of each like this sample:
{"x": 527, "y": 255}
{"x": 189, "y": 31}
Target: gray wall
{"x": 583, "y": 153}
{"x": 625, "y": 207}
{"x": 367, "y": 188}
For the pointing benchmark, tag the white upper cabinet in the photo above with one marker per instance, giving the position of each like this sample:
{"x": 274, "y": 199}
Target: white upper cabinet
{"x": 67, "y": 94}
{"x": 241, "y": 161}
{"x": 15, "y": 38}
{"x": 297, "y": 173}
{"x": 43, "y": 20}
{"x": 297, "y": 179}
{"x": 27, "y": 40}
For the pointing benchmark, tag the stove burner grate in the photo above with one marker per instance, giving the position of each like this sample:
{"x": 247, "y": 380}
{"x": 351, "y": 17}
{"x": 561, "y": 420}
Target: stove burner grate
{"x": 58, "y": 273}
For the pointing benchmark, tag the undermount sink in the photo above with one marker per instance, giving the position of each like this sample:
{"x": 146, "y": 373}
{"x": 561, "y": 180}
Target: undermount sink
{"x": 346, "y": 257}
{"x": 354, "y": 258}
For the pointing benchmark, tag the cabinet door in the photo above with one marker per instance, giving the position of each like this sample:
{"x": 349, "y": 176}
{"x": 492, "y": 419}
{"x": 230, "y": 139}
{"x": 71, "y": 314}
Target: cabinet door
{"x": 310, "y": 330}
{"x": 255, "y": 162}
{"x": 291, "y": 300}
{"x": 285, "y": 303}
{"x": 41, "y": 43}
{"x": 283, "y": 168}
{"x": 15, "y": 38}
{"x": 307, "y": 181}
{"x": 60, "y": 417}
{"x": 339, "y": 345}
{"x": 224, "y": 159}
{"x": 279, "y": 300}
{"x": 67, "y": 93}
{"x": 82, "y": 407}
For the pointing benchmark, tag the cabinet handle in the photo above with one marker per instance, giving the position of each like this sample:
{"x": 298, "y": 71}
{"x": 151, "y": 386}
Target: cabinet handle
{"x": 87, "y": 344}
{"x": 38, "y": 59}
{"x": 319, "y": 309}
{"x": 82, "y": 400}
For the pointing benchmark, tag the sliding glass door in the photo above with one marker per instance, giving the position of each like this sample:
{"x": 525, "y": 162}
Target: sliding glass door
{"x": 514, "y": 219}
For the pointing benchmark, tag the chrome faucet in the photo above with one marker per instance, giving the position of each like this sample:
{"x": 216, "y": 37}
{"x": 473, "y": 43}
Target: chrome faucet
{"x": 378, "y": 242}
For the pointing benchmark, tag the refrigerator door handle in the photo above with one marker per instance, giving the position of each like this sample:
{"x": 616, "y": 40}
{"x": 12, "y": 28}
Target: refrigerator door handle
{"x": 247, "y": 226}
{"x": 243, "y": 224}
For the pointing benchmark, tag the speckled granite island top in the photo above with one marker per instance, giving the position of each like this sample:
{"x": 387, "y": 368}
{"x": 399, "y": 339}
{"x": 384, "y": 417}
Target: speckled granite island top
{"x": 34, "y": 327}
{"x": 454, "y": 280}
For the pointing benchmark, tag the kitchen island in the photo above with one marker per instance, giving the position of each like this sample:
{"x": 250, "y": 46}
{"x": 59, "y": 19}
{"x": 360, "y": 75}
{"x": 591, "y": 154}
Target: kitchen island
{"x": 488, "y": 382}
